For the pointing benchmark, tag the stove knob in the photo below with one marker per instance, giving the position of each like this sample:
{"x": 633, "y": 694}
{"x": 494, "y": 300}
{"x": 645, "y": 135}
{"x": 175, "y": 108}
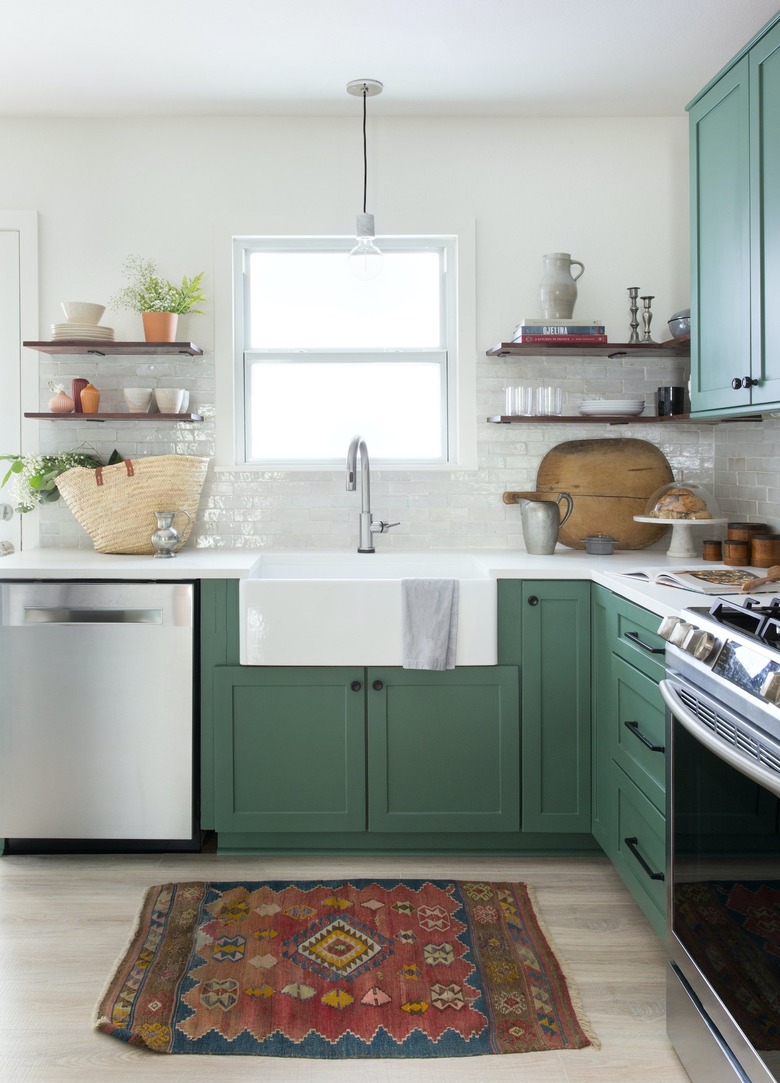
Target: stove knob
{"x": 668, "y": 624}
{"x": 770, "y": 689}
{"x": 699, "y": 643}
{"x": 679, "y": 632}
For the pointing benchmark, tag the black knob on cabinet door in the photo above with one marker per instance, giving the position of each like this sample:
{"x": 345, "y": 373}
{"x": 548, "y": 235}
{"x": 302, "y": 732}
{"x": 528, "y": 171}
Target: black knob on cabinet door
{"x": 377, "y": 686}
{"x": 356, "y": 686}
{"x": 533, "y": 600}
{"x": 736, "y": 383}
{"x": 748, "y": 381}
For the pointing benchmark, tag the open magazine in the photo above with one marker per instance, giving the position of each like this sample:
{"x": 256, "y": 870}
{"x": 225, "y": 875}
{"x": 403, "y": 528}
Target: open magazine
{"x": 716, "y": 580}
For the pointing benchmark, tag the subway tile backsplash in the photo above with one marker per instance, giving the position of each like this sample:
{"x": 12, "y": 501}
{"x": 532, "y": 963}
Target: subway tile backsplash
{"x": 738, "y": 461}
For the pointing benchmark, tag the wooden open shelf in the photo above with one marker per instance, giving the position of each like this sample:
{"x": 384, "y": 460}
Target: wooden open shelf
{"x": 675, "y": 347}
{"x": 612, "y": 419}
{"x": 125, "y": 416}
{"x": 103, "y": 349}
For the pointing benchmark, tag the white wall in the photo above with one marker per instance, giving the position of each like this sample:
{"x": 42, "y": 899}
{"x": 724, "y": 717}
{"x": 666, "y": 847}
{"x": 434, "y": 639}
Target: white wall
{"x": 614, "y": 193}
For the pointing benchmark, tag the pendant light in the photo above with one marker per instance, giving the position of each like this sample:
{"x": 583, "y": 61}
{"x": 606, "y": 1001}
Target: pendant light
{"x": 365, "y": 259}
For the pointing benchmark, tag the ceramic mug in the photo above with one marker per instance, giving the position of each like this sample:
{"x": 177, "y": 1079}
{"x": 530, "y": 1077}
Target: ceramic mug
{"x": 138, "y": 399}
{"x": 169, "y": 399}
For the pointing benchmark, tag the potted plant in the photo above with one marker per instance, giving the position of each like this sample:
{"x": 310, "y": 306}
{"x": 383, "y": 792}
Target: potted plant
{"x": 159, "y": 301}
{"x": 34, "y": 475}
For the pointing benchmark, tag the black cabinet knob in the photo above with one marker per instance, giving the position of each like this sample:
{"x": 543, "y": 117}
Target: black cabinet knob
{"x": 356, "y": 686}
{"x": 748, "y": 381}
{"x": 736, "y": 383}
{"x": 377, "y": 686}
{"x": 533, "y": 600}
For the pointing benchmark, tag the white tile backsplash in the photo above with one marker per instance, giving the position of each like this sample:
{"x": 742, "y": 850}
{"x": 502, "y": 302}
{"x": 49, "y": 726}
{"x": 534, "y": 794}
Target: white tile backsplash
{"x": 740, "y": 462}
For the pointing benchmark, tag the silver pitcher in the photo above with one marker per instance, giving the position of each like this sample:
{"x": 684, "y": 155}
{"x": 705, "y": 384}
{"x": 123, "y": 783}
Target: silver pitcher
{"x": 541, "y": 520}
{"x": 166, "y": 539}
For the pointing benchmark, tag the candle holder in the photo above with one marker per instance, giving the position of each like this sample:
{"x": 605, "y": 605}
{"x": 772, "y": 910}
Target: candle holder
{"x": 633, "y": 293}
{"x": 647, "y": 317}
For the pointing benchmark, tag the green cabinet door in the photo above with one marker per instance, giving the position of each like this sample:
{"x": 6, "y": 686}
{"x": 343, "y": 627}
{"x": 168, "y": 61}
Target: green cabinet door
{"x": 290, "y": 749}
{"x": 720, "y": 243}
{"x": 603, "y": 713}
{"x": 764, "y": 60}
{"x": 443, "y": 749}
{"x": 555, "y": 706}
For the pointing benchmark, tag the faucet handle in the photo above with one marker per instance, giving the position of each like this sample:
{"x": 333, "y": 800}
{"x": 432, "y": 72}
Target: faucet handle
{"x": 381, "y": 527}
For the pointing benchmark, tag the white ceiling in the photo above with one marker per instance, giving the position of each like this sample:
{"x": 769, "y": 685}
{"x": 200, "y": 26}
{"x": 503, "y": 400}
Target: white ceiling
{"x": 100, "y": 58}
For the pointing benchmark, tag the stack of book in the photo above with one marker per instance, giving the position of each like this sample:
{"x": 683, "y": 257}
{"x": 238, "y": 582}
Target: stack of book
{"x": 537, "y": 331}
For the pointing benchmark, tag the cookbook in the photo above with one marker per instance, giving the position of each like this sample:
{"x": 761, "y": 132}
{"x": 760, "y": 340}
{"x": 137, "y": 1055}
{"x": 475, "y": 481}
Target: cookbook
{"x": 717, "y": 580}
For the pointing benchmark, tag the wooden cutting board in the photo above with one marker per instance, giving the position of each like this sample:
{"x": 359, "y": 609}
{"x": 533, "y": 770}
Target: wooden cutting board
{"x": 609, "y": 482}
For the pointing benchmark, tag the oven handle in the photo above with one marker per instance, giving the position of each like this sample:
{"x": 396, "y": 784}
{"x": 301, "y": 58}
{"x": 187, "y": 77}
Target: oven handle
{"x": 724, "y": 751}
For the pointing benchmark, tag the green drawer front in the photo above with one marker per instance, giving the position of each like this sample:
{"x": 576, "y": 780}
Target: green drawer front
{"x": 640, "y": 722}
{"x": 638, "y": 640}
{"x": 641, "y": 852}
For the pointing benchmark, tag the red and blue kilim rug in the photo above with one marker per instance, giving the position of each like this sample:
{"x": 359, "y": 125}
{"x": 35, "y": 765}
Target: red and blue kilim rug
{"x": 363, "y": 968}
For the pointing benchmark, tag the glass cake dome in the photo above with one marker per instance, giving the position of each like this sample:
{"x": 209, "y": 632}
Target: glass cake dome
{"x": 682, "y": 500}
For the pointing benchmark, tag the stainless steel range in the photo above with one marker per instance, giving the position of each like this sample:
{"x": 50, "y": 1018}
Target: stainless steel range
{"x": 723, "y": 816}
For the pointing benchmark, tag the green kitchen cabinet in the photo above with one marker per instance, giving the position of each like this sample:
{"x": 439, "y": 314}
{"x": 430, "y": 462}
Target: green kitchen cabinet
{"x": 443, "y": 749}
{"x": 735, "y": 234}
{"x": 332, "y": 750}
{"x": 553, "y": 618}
{"x": 290, "y": 752}
{"x": 629, "y": 753}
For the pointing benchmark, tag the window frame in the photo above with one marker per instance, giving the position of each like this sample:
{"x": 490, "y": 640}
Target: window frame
{"x": 446, "y": 355}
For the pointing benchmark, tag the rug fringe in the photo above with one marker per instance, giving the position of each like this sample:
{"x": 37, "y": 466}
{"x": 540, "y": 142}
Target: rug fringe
{"x": 99, "y": 1021}
{"x": 574, "y": 993}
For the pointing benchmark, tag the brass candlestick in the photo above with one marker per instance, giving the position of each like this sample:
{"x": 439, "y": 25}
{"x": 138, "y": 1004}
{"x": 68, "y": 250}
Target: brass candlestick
{"x": 633, "y": 293}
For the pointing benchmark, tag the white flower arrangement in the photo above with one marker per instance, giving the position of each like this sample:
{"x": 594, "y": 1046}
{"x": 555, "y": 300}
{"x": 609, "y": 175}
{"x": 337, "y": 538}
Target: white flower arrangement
{"x": 147, "y": 291}
{"x": 34, "y": 476}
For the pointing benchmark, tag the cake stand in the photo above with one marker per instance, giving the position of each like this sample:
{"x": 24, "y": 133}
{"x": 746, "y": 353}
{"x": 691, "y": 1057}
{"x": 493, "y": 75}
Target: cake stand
{"x": 683, "y": 545}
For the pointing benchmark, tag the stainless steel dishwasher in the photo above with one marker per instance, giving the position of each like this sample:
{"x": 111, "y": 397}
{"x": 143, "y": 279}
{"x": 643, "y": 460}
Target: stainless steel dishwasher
{"x": 96, "y": 715}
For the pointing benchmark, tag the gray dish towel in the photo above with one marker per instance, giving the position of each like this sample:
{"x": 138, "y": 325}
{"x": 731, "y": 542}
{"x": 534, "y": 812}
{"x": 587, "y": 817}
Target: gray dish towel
{"x": 429, "y": 623}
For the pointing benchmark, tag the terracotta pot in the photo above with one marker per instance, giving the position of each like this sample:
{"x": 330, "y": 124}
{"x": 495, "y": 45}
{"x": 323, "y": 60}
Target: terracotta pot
{"x": 160, "y": 326}
{"x": 61, "y": 403}
{"x": 90, "y": 399}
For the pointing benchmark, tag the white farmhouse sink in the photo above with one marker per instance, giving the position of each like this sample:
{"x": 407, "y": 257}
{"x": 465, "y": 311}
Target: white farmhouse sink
{"x": 341, "y": 609}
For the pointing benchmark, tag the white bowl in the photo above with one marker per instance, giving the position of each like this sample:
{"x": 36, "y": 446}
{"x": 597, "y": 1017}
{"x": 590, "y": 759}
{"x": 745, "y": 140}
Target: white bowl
{"x": 82, "y": 312}
{"x": 138, "y": 399}
{"x": 169, "y": 399}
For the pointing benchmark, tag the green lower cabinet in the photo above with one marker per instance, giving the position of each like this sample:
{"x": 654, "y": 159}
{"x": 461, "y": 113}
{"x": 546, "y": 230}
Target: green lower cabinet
{"x": 333, "y": 750}
{"x": 290, "y": 749}
{"x": 443, "y": 750}
{"x": 555, "y": 707}
{"x": 640, "y": 850}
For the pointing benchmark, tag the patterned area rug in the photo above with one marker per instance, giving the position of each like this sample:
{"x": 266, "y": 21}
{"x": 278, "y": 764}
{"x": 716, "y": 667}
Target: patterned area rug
{"x": 364, "y": 968}
{"x": 733, "y": 930}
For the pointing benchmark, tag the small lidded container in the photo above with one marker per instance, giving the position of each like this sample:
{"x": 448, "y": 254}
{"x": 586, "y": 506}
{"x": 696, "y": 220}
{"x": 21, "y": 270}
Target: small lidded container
{"x": 599, "y": 544}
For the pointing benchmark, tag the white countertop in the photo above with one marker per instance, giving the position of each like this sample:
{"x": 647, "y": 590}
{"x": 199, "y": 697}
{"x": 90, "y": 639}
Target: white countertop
{"x": 58, "y": 563}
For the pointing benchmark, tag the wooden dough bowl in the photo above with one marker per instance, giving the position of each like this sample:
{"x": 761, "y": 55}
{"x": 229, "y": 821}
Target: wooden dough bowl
{"x": 609, "y": 482}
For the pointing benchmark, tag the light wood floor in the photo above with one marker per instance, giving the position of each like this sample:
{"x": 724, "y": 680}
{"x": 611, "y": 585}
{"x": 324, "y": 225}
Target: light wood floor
{"x": 65, "y": 920}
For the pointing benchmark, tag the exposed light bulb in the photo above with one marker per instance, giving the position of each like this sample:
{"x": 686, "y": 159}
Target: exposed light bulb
{"x": 365, "y": 259}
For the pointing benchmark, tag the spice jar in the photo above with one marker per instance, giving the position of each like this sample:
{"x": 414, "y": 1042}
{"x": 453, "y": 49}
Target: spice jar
{"x": 712, "y": 549}
{"x": 736, "y": 552}
{"x": 766, "y": 550}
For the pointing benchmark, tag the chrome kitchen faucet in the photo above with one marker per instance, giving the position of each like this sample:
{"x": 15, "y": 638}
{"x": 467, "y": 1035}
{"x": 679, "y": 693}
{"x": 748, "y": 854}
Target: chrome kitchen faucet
{"x": 367, "y": 526}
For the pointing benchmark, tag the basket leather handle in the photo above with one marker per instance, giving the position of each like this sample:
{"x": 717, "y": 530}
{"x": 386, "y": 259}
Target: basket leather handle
{"x": 128, "y": 463}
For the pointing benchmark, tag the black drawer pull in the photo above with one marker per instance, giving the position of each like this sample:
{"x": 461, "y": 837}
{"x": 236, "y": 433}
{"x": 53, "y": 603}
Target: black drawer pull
{"x": 634, "y": 727}
{"x": 632, "y": 845}
{"x": 377, "y": 686}
{"x": 533, "y": 600}
{"x": 634, "y": 637}
{"x": 356, "y": 686}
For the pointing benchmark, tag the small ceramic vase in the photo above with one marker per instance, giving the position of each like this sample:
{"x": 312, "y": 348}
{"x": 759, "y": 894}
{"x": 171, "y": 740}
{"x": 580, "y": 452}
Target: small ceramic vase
{"x": 90, "y": 399}
{"x": 76, "y": 387}
{"x": 61, "y": 403}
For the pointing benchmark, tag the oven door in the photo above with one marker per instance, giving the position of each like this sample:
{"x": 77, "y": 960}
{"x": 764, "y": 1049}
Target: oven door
{"x": 723, "y": 878}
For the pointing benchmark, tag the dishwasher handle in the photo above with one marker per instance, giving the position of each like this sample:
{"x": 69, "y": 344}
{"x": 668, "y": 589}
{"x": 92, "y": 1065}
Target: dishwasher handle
{"x": 42, "y": 614}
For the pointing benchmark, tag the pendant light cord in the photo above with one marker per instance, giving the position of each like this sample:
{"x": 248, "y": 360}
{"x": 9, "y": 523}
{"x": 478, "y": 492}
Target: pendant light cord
{"x": 365, "y": 152}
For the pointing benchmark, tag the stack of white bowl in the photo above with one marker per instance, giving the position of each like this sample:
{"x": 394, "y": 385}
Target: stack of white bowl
{"x": 612, "y": 407}
{"x": 82, "y": 319}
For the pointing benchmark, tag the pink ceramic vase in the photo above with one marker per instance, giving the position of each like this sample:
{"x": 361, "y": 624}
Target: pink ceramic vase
{"x": 61, "y": 403}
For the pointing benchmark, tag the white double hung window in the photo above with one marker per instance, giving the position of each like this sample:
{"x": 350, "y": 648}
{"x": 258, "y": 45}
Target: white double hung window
{"x": 322, "y": 355}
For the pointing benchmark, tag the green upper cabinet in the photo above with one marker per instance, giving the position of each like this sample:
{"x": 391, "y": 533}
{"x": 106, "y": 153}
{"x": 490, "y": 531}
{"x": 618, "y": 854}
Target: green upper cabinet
{"x": 735, "y": 232}
{"x": 554, "y": 618}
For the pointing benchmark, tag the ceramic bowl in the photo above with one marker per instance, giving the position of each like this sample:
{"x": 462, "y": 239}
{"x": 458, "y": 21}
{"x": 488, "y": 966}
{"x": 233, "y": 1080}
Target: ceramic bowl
{"x": 82, "y": 312}
{"x": 138, "y": 399}
{"x": 169, "y": 399}
{"x": 680, "y": 323}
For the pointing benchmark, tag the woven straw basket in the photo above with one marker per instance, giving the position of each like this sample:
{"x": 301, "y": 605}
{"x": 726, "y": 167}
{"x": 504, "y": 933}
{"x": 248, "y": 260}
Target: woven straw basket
{"x": 116, "y": 504}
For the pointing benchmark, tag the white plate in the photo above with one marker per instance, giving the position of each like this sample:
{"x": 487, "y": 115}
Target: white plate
{"x": 611, "y": 411}
{"x": 612, "y": 402}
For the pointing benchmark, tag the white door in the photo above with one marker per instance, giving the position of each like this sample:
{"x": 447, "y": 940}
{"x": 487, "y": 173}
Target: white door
{"x": 18, "y": 320}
